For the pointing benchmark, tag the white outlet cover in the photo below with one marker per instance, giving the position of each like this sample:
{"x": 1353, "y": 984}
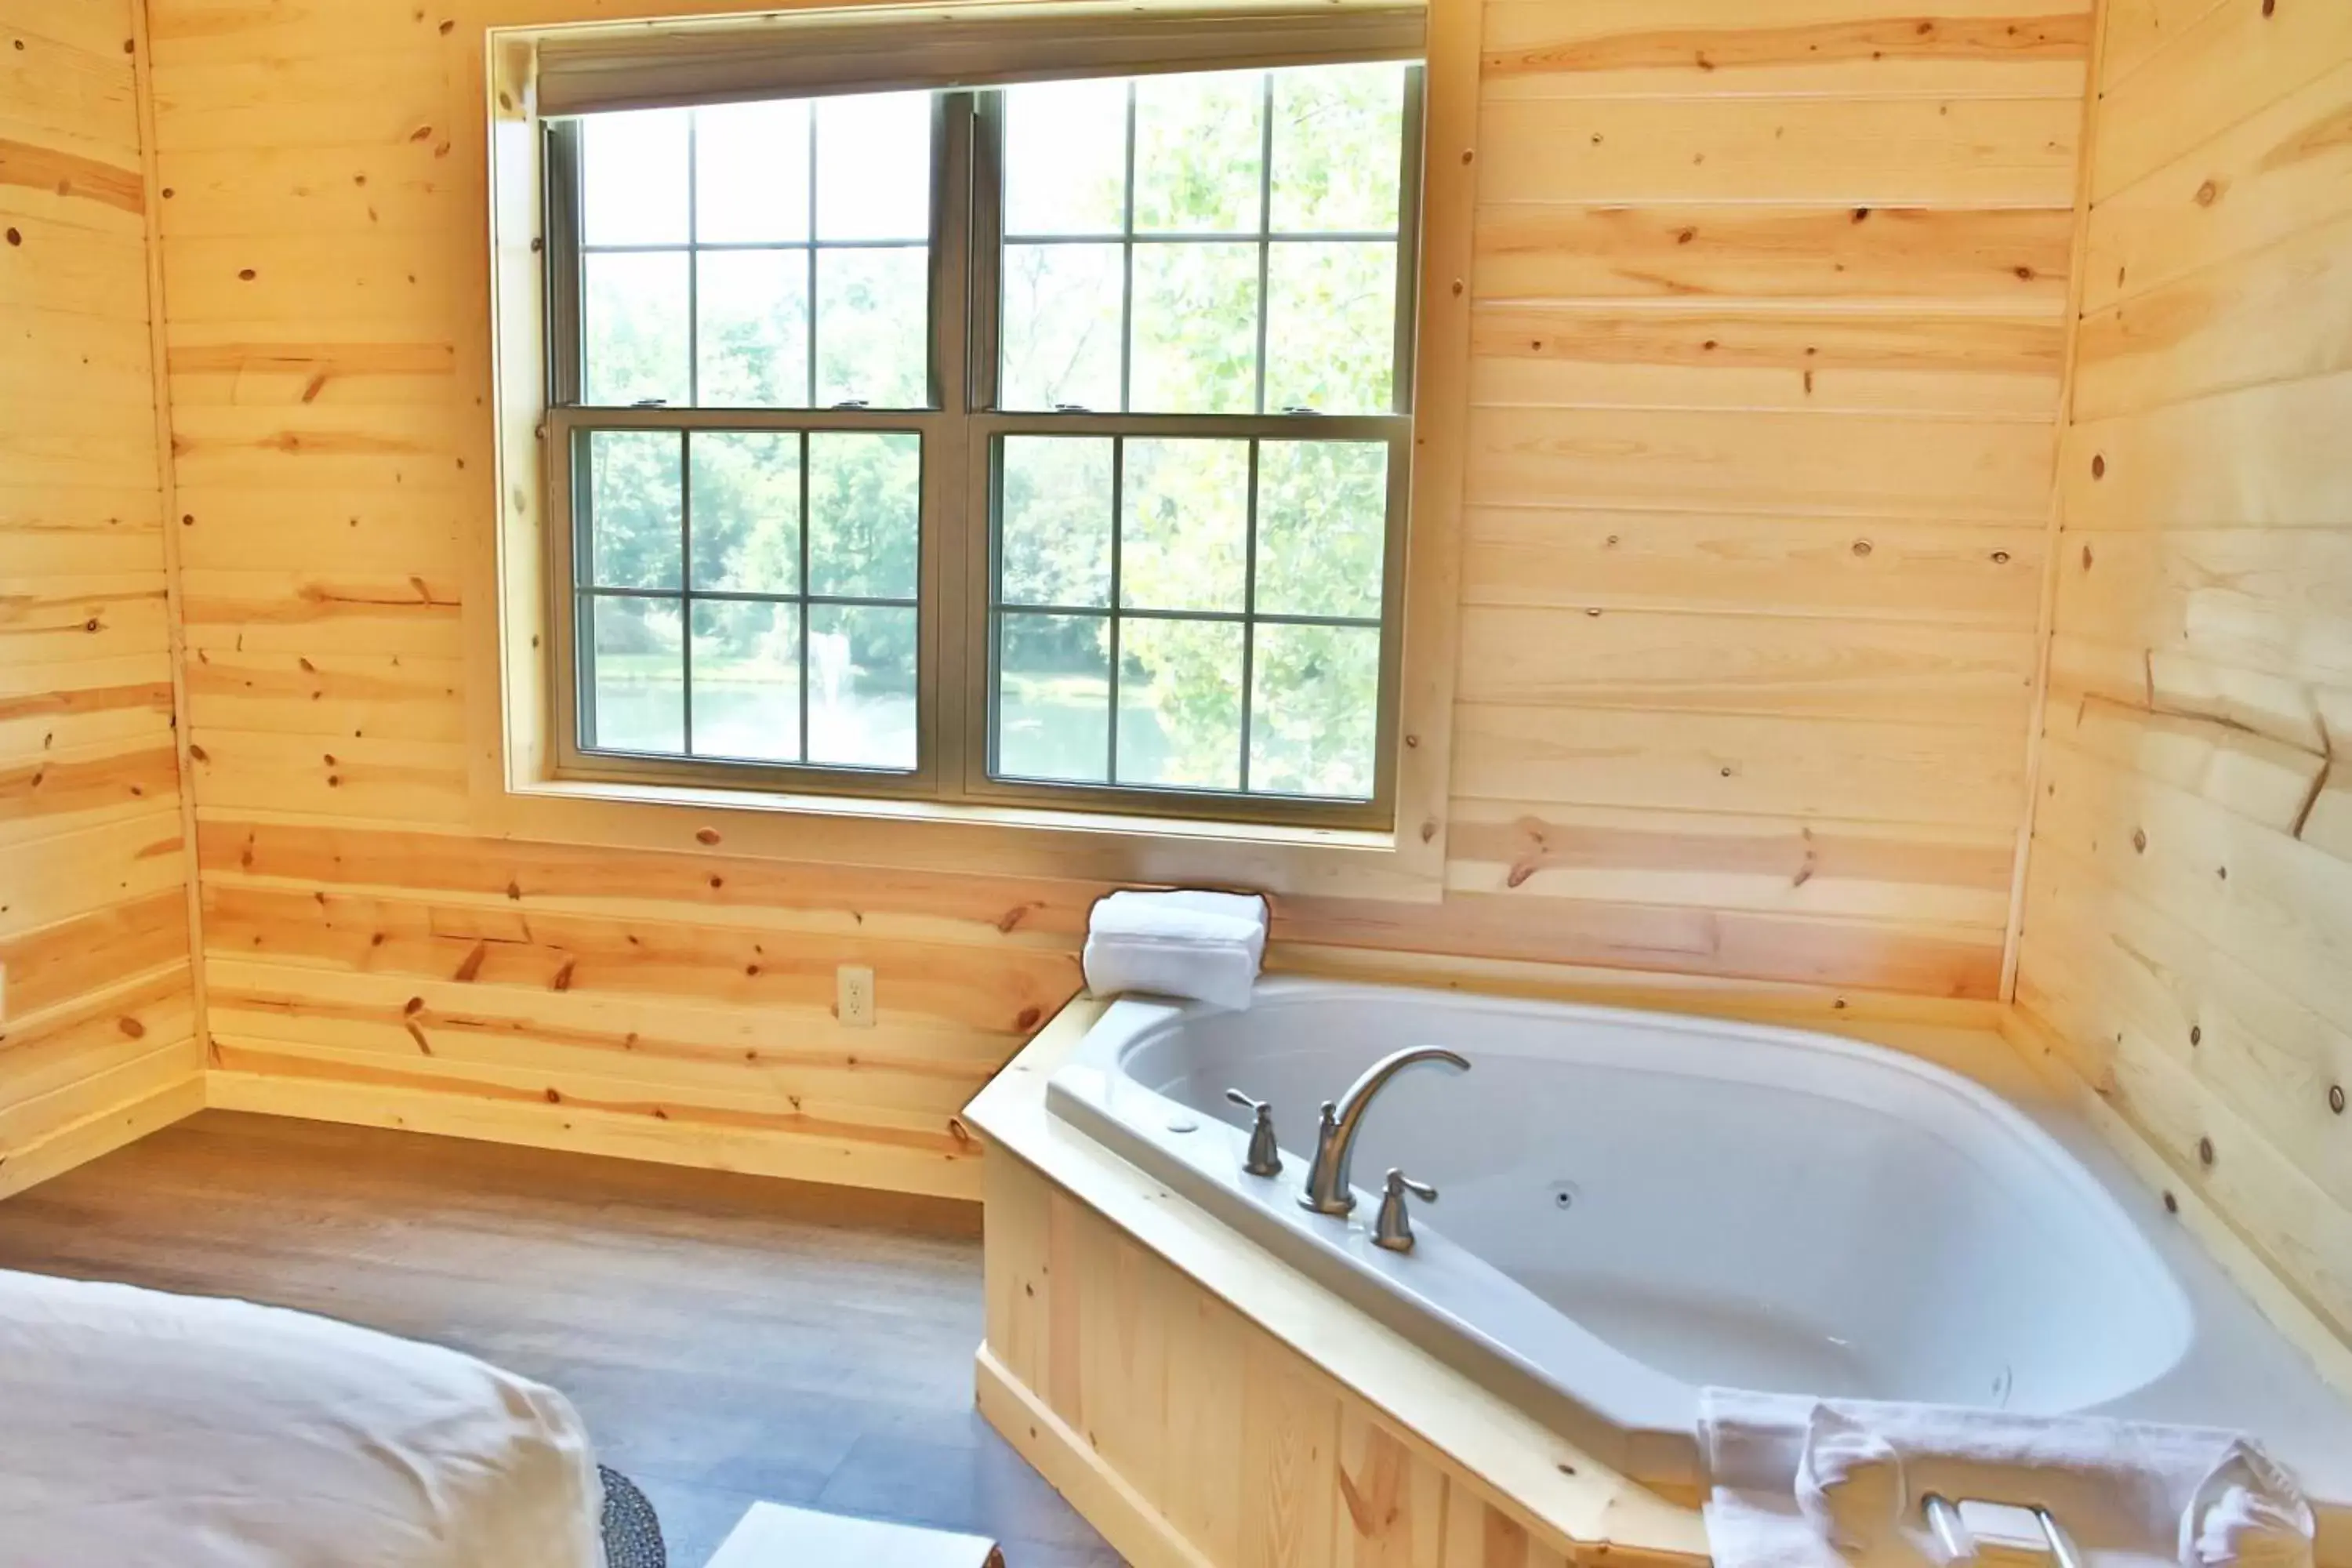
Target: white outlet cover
{"x": 854, "y": 995}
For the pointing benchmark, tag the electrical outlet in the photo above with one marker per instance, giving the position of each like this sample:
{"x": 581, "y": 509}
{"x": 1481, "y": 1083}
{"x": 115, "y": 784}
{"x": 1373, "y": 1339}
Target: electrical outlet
{"x": 853, "y": 985}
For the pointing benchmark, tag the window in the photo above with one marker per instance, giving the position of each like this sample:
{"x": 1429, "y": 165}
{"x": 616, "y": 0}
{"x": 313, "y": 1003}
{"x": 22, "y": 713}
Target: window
{"x": 1041, "y": 444}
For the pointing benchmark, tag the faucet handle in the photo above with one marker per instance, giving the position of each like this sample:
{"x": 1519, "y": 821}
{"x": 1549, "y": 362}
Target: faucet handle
{"x": 1393, "y": 1227}
{"x": 1265, "y": 1155}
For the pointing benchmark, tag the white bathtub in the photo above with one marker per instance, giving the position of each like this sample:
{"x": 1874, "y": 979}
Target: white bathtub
{"x": 1635, "y": 1204}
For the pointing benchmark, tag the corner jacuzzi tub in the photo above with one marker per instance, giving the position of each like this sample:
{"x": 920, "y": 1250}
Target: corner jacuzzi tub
{"x": 1635, "y": 1204}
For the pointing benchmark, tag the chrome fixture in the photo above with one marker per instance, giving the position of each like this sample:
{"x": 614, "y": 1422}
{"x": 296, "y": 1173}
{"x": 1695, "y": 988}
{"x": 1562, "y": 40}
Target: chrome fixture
{"x": 1265, "y": 1155}
{"x": 2012, "y": 1542}
{"x": 1393, "y": 1229}
{"x": 1328, "y": 1189}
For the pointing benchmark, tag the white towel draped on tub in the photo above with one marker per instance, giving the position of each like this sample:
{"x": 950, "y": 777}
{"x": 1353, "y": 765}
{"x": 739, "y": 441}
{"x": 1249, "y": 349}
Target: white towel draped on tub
{"x": 1800, "y": 1482}
{"x": 1200, "y": 946}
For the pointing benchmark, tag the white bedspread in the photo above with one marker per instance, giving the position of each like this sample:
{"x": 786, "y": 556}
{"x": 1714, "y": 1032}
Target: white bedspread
{"x": 139, "y": 1428}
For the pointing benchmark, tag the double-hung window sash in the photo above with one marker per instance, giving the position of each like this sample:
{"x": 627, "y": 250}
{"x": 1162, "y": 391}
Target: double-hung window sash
{"x": 1003, "y": 406}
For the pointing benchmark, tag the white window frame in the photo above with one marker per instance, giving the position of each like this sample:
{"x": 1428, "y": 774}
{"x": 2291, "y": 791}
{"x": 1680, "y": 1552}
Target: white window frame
{"x": 515, "y": 789}
{"x": 956, "y": 685}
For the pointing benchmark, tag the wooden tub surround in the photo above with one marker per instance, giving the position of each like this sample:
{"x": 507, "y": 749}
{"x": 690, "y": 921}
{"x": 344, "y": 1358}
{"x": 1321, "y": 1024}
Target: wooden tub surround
{"x": 1205, "y": 1404}
{"x": 1200, "y": 1405}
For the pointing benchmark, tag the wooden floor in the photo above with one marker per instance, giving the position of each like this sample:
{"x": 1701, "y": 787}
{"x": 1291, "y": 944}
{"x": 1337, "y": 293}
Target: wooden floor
{"x": 728, "y": 1339}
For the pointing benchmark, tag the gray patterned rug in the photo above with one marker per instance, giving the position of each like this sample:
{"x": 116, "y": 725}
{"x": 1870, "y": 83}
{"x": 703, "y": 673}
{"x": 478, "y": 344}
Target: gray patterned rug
{"x": 633, "y": 1536}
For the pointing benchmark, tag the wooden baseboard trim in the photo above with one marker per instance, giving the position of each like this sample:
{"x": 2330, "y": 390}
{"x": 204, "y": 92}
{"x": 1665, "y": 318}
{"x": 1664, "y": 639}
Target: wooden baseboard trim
{"x": 1135, "y": 1530}
{"x": 80, "y": 1143}
{"x": 581, "y": 1131}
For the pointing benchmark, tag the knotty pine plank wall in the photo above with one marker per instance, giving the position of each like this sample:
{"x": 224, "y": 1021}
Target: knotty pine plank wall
{"x": 1770, "y": 306}
{"x": 2188, "y": 920}
{"x": 97, "y": 1040}
{"x": 1767, "y": 352}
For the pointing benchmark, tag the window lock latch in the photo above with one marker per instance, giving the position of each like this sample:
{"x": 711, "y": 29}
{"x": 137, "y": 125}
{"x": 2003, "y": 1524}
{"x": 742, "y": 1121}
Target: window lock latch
{"x": 651, "y": 403}
{"x": 1071, "y": 408}
{"x": 851, "y": 403}
{"x": 1301, "y": 408}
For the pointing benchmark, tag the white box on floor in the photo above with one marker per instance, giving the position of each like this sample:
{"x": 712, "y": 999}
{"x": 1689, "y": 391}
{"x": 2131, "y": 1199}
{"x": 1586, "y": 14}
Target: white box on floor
{"x": 774, "y": 1536}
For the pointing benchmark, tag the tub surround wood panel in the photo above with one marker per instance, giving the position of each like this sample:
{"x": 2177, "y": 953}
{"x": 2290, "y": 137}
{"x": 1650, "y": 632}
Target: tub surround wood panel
{"x": 2187, "y": 921}
{"x": 2195, "y": 1208}
{"x": 97, "y": 1043}
{"x": 1768, "y": 331}
{"x": 1207, "y": 1404}
{"x": 1193, "y": 1439}
{"x": 1202, "y": 1404}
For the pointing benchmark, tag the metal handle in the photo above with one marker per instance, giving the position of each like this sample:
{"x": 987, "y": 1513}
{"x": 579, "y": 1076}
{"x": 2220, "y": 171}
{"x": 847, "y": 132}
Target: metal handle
{"x": 1265, "y": 1158}
{"x": 1393, "y": 1228}
{"x": 1950, "y": 1533}
{"x": 1959, "y": 1543}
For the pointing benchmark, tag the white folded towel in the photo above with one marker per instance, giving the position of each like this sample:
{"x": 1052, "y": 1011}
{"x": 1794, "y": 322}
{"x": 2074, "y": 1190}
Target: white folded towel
{"x": 1800, "y": 1482}
{"x": 2248, "y": 1513}
{"x": 1849, "y": 1482}
{"x": 1200, "y": 946}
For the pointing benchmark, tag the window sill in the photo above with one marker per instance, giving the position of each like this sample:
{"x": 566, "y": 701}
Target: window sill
{"x": 871, "y": 808}
{"x": 964, "y": 840}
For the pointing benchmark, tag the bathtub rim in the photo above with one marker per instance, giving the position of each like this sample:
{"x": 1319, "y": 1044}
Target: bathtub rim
{"x": 1559, "y": 1492}
{"x": 2028, "y": 1140}
{"x": 1638, "y": 1418}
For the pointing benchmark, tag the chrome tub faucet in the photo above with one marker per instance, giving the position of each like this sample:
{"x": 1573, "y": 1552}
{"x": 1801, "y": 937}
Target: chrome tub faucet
{"x": 1393, "y": 1229}
{"x": 1265, "y": 1155}
{"x": 1329, "y": 1190}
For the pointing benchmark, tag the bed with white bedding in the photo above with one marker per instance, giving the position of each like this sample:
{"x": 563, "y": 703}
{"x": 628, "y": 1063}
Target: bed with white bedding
{"x": 139, "y": 1428}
